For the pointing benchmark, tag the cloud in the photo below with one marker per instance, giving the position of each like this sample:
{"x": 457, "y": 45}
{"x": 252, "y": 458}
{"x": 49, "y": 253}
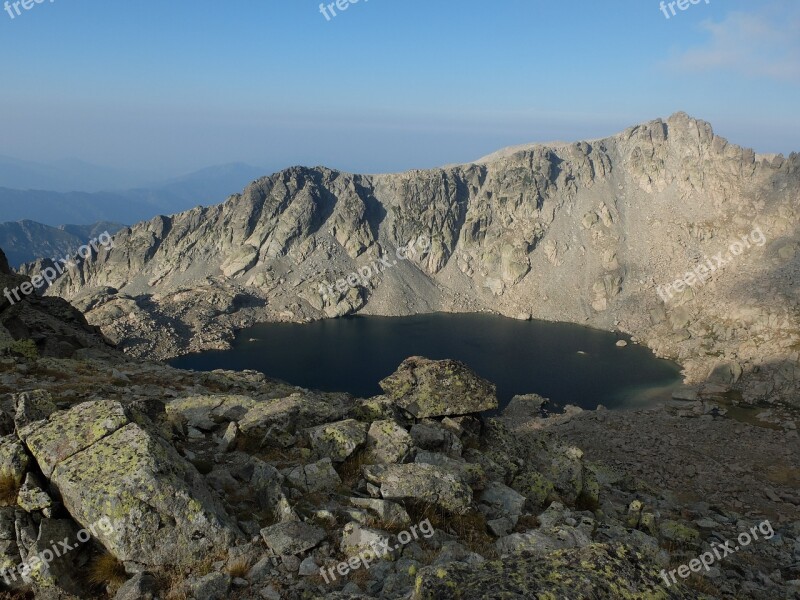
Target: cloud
{"x": 758, "y": 46}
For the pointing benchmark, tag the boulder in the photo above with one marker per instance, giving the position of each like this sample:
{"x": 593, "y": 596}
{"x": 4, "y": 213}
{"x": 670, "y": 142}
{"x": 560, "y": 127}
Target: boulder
{"x": 430, "y": 388}
{"x": 315, "y": 477}
{"x": 68, "y": 432}
{"x": 163, "y": 509}
{"x": 421, "y": 482}
{"x": 338, "y": 440}
{"x": 13, "y": 460}
{"x": 292, "y": 537}
{"x": 387, "y": 442}
{"x": 32, "y": 406}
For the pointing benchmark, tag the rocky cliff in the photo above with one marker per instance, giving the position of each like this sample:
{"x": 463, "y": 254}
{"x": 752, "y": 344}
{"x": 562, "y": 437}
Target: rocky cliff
{"x": 583, "y": 232}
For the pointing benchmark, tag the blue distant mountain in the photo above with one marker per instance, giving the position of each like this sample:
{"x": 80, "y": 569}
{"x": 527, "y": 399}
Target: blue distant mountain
{"x": 50, "y": 206}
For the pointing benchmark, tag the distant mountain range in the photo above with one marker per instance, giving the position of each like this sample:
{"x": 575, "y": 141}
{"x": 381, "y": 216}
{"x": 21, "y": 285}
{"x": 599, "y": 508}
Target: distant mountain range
{"x": 46, "y": 201}
{"x": 26, "y": 241}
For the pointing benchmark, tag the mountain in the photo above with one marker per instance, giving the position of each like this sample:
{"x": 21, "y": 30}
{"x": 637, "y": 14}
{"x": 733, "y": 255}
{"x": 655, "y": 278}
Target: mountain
{"x": 590, "y": 233}
{"x": 206, "y": 186}
{"x": 27, "y": 241}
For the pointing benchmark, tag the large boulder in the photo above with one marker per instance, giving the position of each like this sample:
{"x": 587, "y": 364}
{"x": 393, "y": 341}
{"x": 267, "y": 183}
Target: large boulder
{"x": 104, "y": 465}
{"x": 338, "y": 440}
{"x": 438, "y": 388}
{"x": 421, "y": 482}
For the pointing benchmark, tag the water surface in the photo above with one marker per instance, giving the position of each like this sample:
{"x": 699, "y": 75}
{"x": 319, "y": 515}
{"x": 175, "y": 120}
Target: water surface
{"x": 567, "y": 363}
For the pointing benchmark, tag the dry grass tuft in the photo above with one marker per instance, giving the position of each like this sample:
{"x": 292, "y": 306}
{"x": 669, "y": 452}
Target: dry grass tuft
{"x": 107, "y": 570}
{"x": 239, "y": 567}
{"x": 9, "y": 488}
{"x": 470, "y": 528}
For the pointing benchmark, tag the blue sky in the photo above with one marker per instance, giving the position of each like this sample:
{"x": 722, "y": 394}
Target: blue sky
{"x": 386, "y": 85}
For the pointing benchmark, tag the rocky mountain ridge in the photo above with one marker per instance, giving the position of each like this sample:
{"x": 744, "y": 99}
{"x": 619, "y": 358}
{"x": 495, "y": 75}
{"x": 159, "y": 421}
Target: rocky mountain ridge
{"x": 583, "y": 232}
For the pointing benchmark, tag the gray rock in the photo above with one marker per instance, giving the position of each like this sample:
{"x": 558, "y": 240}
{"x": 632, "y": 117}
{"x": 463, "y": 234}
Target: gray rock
{"x": 429, "y": 388}
{"x": 142, "y": 586}
{"x": 315, "y": 477}
{"x": 308, "y": 567}
{"x": 426, "y": 483}
{"x": 293, "y": 537}
{"x": 338, "y": 440}
{"x": 214, "y": 586}
{"x": 388, "y": 442}
{"x": 504, "y": 501}
{"x": 390, "y": 513}
{"x": 32, "y": 406}
{"x": 163, "y": 509}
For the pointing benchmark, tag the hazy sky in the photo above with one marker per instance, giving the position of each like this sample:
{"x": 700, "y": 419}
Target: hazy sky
{"x": 386, "y": 85}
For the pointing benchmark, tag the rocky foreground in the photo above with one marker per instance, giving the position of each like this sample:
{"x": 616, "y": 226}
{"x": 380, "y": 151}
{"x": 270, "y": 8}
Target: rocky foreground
{"x": 127, "y": 479}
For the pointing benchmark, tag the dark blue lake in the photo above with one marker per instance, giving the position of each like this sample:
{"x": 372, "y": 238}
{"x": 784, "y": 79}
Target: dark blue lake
{"x": 567, "y": 363}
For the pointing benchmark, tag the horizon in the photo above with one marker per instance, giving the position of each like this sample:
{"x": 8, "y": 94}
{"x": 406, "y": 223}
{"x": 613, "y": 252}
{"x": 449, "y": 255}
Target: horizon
{"x": 277, "y": 86}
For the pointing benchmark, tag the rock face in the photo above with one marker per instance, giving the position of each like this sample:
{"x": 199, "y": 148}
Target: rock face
{"x": 428, "y": 388}
{"x": 584, "y": 232}
{"x": 163, "y": 511}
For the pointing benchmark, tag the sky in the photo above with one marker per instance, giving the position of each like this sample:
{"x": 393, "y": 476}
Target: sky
{"x": 386, "y": 85}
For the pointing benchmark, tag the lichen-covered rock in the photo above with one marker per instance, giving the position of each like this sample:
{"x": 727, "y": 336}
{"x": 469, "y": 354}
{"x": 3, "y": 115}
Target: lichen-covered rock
{"x": 292, "y": 537}
{"x": 421, "y": 482}
{"x": 32, "y": 406}
{"x": 388, "y": 442}
{"x": 68, "y": 432}
{"x": 207, "y": 412}
{"x": 597, "y": 571}
{"x": 31, "y": 497}
{"x": 472, "y": 473}
{"x": 271, "y": 418}
{"x": 338, "y": 440}
{"x": 430, "y": 388}
{"x": 678, "y": 533}
{"x": 315, "y": 477}
{"x": 357, "y": 539}
{"x": 13, "y": 459}
{"x": 162, "y": 507}
{"x": 534, "y": 486}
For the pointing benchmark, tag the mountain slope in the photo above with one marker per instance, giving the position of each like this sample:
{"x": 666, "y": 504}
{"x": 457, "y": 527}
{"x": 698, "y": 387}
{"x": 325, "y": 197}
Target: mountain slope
{"x": 582, "y": 232}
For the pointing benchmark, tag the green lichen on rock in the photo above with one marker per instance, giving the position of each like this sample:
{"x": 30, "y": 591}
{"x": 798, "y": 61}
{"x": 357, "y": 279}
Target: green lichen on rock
{"x": 596, "y": 571}
{"x": 24, "y": 348}
{"x": 678, "y": 533}
{"x": 534, "y": 486}
{"x": 164, "y": 511}
{"x": 429, "y": 388}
